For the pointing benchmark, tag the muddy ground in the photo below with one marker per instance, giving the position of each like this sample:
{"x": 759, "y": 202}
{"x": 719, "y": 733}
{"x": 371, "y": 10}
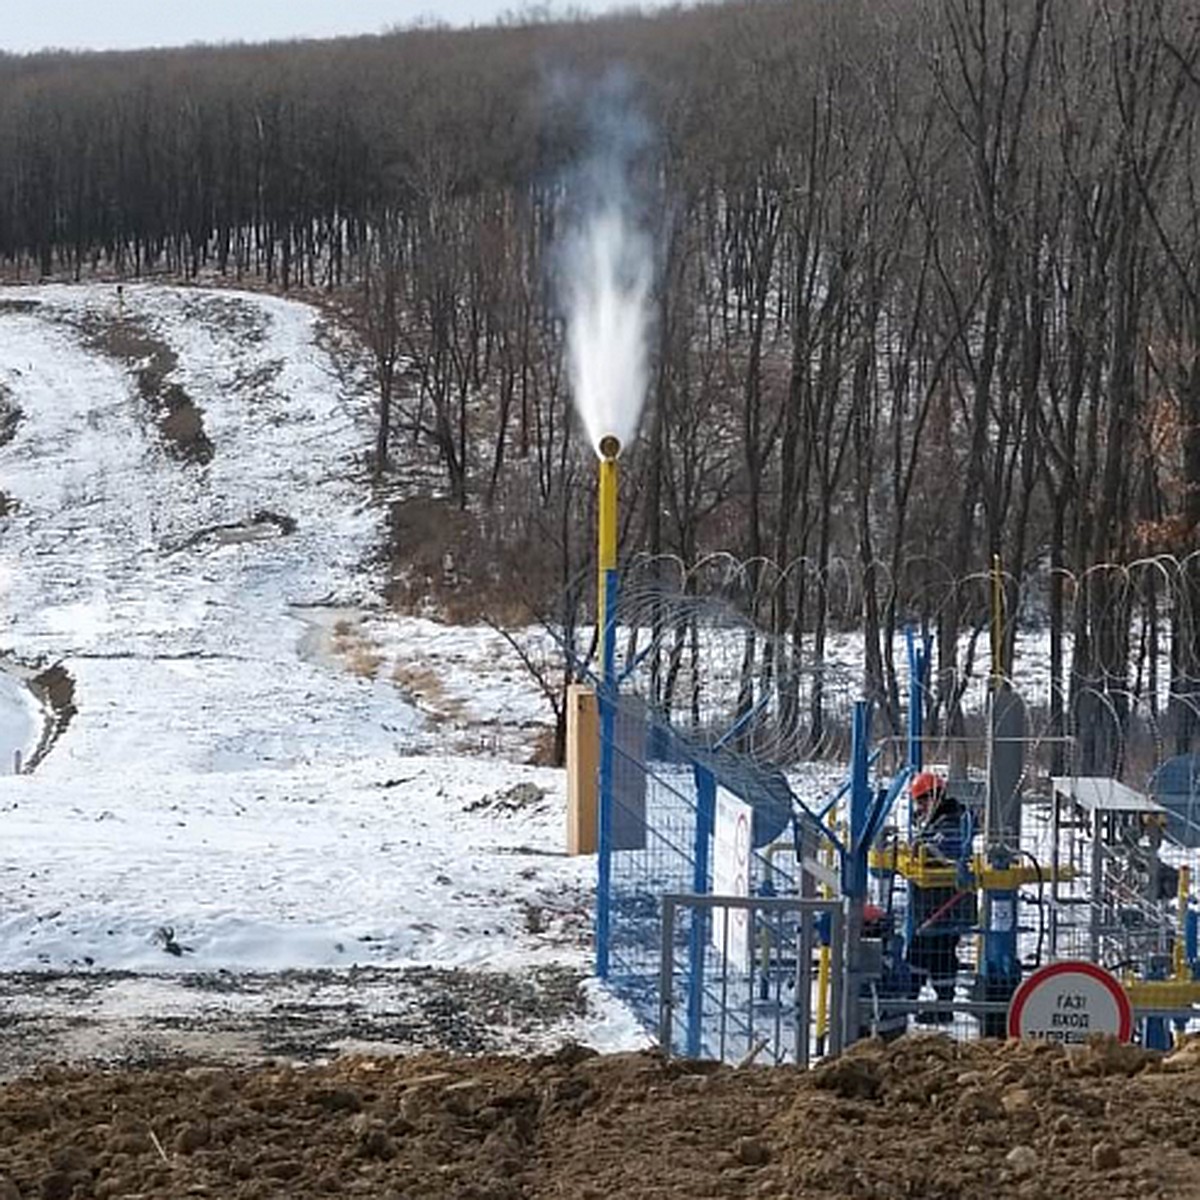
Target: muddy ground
{"x": 116, "y": 1017}
{"x": 925, "y": 1118}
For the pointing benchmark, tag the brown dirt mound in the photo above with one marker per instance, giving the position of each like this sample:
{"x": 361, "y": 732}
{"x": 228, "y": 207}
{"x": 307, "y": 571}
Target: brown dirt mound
{"x": 923, "y": 1118}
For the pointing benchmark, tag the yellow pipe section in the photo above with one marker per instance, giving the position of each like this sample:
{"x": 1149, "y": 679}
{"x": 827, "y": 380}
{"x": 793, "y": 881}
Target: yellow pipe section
{"x": 1163, "y": 994}
{"x": 824, "y": 956}
{"x": 606, "y": 550}
{"x": 823, "y": 960}
{"x": 997, "y": 620}
{"x": 916, "y": 865}
{"x": 1180, "y": 963}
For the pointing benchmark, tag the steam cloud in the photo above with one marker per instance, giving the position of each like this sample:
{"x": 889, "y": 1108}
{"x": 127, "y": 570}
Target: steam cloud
{"x": 607, "y": 276}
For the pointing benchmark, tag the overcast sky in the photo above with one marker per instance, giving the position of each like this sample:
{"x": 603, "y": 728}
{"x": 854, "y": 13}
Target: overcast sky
{"x": 125, "y": 24}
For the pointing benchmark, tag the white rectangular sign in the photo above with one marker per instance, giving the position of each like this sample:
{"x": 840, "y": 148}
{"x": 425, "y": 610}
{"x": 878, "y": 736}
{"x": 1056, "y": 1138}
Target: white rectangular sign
{"x": 731, "y": 877}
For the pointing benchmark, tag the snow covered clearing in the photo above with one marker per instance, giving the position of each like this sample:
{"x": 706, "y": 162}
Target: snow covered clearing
{"x": 20, "y": 722}
{"x": 236, "y": 788}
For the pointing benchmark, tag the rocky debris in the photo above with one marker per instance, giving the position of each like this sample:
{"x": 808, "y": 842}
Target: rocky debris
{"x": 1017, "y": 1100}
{"x": 519, "y": 798}
{"x": 11, "y": 416}
{"x": 752, "y": 1152}
{"x": 1185, "y": 1058}
{"x": 192, "y": 1137}
{"x": 880, "y": 1123}
{"x": 988, "y": 1120}
{"x": 854, "y": 1077}
{"x": 19, "y": 306}
{"x": 1023, "y": 1160}
{"x": 164, "y": 936}
{"x": 263, "y": 525}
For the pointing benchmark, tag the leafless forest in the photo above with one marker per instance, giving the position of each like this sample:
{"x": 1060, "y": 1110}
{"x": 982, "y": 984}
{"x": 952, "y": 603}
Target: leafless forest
{"x": 928, "y": 290}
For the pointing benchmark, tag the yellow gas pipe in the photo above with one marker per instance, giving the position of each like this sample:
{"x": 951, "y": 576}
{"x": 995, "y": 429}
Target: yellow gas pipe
{"x": 997, "y": 619}
{"x": 606, "y": 550}
{"x": 823, "y": 966}
{"x": 824, "y": 956}
{"x": 1180, "y": 955}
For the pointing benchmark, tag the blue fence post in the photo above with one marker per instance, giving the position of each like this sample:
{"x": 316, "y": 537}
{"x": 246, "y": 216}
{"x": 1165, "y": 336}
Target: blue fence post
{"x": 854, "y": 864}
{"x": 608, "y": 699}
{"x": 854, "y": 877}
{"x": 706, "y": 810}
{"x": 918, "y": 666}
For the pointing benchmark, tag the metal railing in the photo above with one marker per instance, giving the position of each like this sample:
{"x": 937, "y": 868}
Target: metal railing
{"x": 760, "y": 1009}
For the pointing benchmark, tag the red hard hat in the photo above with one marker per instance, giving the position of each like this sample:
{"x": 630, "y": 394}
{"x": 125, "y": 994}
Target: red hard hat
{"x": 927, "y": 784}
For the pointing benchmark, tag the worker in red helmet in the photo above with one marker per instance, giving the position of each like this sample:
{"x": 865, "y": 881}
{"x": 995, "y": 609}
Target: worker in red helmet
{"x": 938, "y": 913}
{"x": 926, "y": 788}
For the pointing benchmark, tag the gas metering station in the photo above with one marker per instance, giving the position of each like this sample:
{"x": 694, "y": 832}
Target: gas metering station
{"x": 756, "y": 904}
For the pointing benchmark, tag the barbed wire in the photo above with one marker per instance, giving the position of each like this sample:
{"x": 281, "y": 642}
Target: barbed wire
{"x": 766, "y": 659}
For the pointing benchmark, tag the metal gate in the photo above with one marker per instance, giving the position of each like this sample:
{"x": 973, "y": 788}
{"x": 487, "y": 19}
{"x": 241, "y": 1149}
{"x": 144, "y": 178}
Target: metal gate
{"x": 748, "y": 976}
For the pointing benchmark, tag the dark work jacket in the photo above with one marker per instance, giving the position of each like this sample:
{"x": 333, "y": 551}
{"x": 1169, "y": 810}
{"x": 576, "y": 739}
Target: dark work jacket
{"x": 944, "y": 830}
{"x": 943, "y": 835}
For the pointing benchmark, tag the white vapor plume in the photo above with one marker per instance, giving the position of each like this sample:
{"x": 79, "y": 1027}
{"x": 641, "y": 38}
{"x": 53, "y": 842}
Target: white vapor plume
{"x": 608, "y": 281}
{"x": 606, "y": 261}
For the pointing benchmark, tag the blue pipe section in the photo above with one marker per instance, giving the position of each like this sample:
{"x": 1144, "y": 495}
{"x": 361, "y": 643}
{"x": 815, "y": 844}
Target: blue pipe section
{"x": 843, "y": 788}
{"x": 854, "y": 870}
{"x": 884, "y": 803}
{"x": 1156, "y": 1031}
{"x": 1000, "y": 963}
{"x": 918, "y": 671}
{"x": 706, "y": 816}
{"x": 1000, "y": 970}
{"x": 608, "y": 694}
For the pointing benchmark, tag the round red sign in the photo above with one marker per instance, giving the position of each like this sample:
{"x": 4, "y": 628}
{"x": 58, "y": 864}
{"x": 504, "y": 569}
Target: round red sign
{"x": 1067, "y": 1002}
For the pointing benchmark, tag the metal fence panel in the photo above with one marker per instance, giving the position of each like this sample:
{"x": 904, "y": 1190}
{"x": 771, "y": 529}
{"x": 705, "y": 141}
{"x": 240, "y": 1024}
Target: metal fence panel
{"x": 764, "y": 1011}
{"x": 663, "y": 796}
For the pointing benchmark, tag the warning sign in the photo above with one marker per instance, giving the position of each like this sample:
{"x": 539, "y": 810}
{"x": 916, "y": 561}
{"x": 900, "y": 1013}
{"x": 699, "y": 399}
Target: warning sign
{"x": 1069, "y": 1001}
{"x": 731, "y": 877}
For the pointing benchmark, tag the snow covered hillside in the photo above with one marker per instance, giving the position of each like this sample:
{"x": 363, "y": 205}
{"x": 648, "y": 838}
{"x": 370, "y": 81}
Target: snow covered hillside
{"x": 19, "y": 723}
{"x": 187, "y": 523}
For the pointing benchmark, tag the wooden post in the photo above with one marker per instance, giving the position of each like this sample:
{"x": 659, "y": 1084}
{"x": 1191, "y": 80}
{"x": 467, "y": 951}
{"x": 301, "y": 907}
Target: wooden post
{"x": 583, "y": 762}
